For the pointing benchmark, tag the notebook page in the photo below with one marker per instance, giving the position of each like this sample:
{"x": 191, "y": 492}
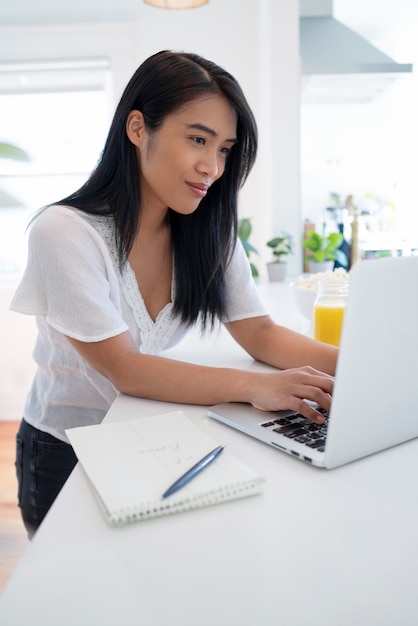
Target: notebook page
{"x": 131, "y": 464}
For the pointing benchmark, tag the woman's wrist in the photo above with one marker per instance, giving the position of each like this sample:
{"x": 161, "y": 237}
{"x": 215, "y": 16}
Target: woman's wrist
{"x": 241, "y": 387}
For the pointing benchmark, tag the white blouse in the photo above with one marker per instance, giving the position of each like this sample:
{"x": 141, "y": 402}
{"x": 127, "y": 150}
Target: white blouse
{"x": 73, "y": 285}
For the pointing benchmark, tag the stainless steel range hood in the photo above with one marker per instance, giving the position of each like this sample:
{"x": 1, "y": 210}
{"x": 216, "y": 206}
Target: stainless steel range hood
{"x": 338, "y": 65}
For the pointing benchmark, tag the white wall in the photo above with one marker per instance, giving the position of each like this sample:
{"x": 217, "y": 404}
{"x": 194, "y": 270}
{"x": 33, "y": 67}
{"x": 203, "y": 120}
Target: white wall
{"x": 364, "y": 149}
{"x": 279, "y": 117}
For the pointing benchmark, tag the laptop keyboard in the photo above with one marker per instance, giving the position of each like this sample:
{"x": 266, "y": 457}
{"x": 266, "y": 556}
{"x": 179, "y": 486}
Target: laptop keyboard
{"x": 301, "y": 429}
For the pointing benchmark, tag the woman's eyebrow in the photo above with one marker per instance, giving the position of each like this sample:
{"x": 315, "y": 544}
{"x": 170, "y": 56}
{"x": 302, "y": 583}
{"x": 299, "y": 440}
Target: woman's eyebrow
{"x": 208, "y": 130}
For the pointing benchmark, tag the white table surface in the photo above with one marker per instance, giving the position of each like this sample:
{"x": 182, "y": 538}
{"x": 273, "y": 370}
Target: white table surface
{"x": 327, "y": 548}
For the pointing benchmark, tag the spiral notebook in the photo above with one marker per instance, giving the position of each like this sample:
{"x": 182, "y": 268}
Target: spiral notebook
{"x": 130, "y": 464}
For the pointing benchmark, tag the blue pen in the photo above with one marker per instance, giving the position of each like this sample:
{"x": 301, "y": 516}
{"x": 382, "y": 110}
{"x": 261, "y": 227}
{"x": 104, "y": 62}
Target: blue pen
{"x": 193, "y": 471}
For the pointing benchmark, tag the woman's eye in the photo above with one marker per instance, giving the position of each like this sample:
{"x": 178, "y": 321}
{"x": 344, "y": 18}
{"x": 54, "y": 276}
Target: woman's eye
{"x": 226, "y": 151}
{"x": 200, "y": 140}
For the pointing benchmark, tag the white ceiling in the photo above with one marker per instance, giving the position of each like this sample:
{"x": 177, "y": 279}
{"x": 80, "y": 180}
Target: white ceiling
{"x": 390, "y": 25}
{"x": 38, "y": 12}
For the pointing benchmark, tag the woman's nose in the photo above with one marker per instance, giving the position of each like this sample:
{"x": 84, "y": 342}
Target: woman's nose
{"x": 209, "y": 165}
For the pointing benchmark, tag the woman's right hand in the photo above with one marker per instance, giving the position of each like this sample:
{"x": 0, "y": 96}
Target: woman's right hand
{"x": 289, "y": 389}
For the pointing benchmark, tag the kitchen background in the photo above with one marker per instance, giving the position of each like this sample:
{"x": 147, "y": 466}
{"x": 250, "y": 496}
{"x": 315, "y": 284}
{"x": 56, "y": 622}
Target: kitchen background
{"x": 344, "y": 134}
{"x": 63, "y": 66}
{"x": 360, "y": 137}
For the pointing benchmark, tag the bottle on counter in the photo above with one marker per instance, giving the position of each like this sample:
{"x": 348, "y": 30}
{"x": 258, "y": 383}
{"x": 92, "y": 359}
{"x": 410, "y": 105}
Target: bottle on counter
{"x": 328, "y": 312}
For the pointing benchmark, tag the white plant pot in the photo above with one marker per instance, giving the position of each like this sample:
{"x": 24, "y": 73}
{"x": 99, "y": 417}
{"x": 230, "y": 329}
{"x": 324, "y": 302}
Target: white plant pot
{"x": 276, "y": 271}
{"x": 320, "y": 266}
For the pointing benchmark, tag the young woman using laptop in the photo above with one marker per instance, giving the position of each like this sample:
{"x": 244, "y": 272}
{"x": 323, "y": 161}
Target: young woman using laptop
{"x": 120, "y": 270}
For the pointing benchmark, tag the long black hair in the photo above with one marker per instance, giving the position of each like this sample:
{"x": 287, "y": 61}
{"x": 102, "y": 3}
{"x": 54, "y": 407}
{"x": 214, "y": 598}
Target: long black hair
{"x": 202, "y": 241}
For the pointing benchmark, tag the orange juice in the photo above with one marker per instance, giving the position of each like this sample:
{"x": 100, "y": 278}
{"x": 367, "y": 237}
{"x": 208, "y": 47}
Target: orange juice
{"x": 327, "y": 322}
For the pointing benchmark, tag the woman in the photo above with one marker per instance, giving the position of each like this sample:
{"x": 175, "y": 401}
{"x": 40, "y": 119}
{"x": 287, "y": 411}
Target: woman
{"x": 119, "y": 270}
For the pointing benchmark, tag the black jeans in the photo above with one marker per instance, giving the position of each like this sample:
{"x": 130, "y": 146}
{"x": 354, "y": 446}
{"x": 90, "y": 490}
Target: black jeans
{"x": 43, "y": 464}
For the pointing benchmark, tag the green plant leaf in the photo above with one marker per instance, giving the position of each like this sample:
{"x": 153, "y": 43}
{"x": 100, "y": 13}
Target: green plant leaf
{"x": 254, "y": 270}
{"x": 9, "y": 202}
{"x": 335, "y": 240}
{"x": 244, "y": 232}
{"x": 273, "y": 243}
{"x": 244, "y": 229}
{"x": 323, "y": 247}
{"x": 248, "y": 247}
{"x": 281, "y": 245}
{"x": 9, "y": 151}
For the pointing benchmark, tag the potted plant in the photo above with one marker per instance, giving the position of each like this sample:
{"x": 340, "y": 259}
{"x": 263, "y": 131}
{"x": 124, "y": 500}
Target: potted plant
{"x": 244, "y": 232}
{"x": 323, "y": 250}
{"x": 281, "y": 246}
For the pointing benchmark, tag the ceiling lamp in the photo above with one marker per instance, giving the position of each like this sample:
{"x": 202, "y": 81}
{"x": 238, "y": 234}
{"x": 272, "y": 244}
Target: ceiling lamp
{"x": 176, "y": 4}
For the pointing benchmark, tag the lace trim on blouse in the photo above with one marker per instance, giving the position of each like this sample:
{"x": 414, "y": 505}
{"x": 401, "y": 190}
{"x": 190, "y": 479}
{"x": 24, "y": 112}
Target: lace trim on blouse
{"x": 154, "y": 335}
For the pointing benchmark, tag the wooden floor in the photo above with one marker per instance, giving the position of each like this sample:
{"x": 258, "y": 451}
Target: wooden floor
{"x": 13, "y": 538}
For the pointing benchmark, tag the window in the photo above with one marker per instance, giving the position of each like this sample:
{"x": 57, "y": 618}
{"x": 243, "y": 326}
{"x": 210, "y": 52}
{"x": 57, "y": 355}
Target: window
{"x": 59, "y": 115}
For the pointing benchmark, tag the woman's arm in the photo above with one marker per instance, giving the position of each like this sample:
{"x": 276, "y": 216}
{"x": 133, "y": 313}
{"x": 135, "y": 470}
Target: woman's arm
{"x": 281, "y": 347}
{"x": 159, "y": 378}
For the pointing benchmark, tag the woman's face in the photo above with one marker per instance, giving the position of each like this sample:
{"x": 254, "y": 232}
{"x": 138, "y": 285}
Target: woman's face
{"x": 179, "y": 162}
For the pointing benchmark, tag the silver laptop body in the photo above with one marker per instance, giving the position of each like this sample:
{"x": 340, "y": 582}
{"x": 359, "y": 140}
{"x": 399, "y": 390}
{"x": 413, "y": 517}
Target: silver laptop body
{"x": 374, "y": 401}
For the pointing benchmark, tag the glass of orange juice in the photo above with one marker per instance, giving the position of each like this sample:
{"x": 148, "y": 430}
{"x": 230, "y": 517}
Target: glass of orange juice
{"x": 328, "y": 314}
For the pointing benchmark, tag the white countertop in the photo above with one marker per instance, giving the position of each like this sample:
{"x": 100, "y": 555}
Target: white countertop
{"x": 326, "y": 548}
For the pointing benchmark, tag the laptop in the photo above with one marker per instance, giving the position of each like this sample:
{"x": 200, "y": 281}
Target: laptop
{"x": 374, "y": 404}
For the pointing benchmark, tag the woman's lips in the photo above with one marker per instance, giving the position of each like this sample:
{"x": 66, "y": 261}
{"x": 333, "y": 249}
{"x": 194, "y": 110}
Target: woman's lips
{"x": 198, "y": 189}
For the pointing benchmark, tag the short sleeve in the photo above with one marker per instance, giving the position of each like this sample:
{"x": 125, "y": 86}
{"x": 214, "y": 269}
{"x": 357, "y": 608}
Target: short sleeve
{"x": 70, "y": 278}
{"x": 243, "y": 299}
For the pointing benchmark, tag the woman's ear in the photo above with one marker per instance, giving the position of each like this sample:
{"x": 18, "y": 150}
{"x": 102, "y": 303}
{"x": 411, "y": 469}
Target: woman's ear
{"x": 135, "y": 128}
